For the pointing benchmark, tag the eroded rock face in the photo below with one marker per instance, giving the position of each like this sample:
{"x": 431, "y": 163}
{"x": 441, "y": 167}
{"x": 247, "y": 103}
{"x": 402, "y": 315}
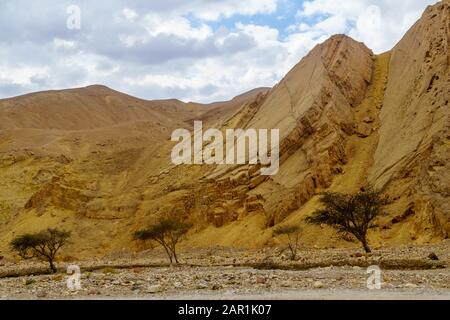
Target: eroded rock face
{"x": 312, "y": 107}
{"x": 323, "y": 104}
{"x": 346, "y": 118}
{"x": 412, "y": 158}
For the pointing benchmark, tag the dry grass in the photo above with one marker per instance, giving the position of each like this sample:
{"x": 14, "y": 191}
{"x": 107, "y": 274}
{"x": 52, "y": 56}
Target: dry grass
{"x": 400, "y": 264}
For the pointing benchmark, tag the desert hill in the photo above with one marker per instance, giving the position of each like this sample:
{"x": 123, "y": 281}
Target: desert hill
{"x": 98, "y": 106}
{"x": 97, "y": 162}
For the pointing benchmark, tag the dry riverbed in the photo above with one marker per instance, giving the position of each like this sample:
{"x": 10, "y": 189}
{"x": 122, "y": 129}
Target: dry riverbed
{"x": 406, "y": 272}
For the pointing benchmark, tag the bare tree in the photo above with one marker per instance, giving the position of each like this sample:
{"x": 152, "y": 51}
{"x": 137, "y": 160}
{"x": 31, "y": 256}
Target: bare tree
{"x": 350, "y": 213}
{"x": 43, "y": 245}
{"x": 292, "y": 232}
{"x": 167, "y": 233}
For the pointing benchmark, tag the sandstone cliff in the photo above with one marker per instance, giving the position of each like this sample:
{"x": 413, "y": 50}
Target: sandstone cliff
{"x": 412, "y": 157}
{"x": 97, "y": 162}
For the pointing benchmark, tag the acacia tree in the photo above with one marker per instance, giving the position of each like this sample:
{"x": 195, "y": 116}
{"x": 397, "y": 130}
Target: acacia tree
{"x": 292, "y": 232}
{"x": 43, "y": 245}
{"x": 167, "y": 233}
{"x": 350, "y": 213}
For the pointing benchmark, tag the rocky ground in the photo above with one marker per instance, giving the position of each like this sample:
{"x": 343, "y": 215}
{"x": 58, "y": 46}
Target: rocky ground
{"x": 229, "y": 274}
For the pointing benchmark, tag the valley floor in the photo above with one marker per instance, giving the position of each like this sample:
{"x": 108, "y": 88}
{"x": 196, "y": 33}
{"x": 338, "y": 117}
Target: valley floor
{"x": 219, "y": 273}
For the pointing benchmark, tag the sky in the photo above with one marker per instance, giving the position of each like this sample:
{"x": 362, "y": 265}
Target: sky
{"x": 197, "y": 50}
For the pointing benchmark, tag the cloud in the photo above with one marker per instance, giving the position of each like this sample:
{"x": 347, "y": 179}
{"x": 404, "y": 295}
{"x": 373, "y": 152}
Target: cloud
{"x": 199, "y": 50}
{"x": 209, "y": 10}
{"x": 378, "y": 23}
{"x": 129, "y": 14}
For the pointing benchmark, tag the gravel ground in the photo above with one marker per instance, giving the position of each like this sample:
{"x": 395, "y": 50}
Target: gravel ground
{"x": 230, "y": 283}
{"x": 220, "y": 273}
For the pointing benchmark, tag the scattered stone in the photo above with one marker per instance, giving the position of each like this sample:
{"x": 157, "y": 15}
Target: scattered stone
{"x": 216, "y": 287}
{"x": 364, "y": 130}
{"x": 202, "y": 285}
{"x": 260, "y": 280}
{"x": 368, "y": 119}
{"x": 94, "y": 292}
{"x": 190, "y": 279}
{"x": 154, "y": 289}
{"x": 433, "y": 256}
{"x": 41, "y": 294}
{"x": 318, "y": 284}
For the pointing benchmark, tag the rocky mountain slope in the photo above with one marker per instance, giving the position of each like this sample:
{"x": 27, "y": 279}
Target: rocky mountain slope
{"x": 412, "y": 156}
{"x": 97, "y": 162}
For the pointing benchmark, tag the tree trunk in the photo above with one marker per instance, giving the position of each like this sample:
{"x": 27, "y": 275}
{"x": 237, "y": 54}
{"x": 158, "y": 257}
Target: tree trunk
{"x": 175, "y": 256}
{"x": 173, "y": 251}
{"x": 366, "y": 247}
{"x": 168, "y": 253}
{"x": 52, "y": 266}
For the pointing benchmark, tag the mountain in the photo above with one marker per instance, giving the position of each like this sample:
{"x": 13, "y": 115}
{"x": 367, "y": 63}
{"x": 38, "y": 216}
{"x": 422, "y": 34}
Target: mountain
{"x": 71, "y": 154}
{"x": 412, "y": 157}
{"x": 97, "y": 162}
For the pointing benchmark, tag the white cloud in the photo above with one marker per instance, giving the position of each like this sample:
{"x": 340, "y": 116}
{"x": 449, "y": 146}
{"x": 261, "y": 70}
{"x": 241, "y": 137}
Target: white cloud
{"x": 21, "y": 75}
{"x": 262, "y": 34}
{"x": 331, "y": 25}
{"x": 349, "y": 8}
{"x": 129, "y": 14}
{"x": 179, "y": 26}
{"x": 214, "y": 10}
{"x": 370, "y": 29}
{"x": 378, "y": 23}
{"x": 180, "y": 49}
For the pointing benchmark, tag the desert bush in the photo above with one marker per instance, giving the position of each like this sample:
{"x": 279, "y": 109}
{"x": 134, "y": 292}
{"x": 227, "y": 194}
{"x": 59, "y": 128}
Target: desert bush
{"x": 167, "y": 233}
{"x": 43, "y": 245}
{"x": 292, "y": 232}
{"x": 108, "y": 270}
{"x": 350, "y": 213}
